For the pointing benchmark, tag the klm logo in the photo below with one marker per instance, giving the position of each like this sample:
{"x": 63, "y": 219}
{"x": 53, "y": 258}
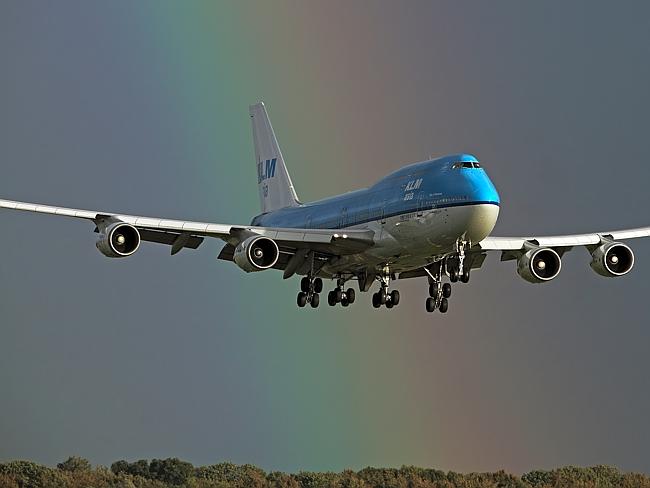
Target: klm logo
{"x": 266, "y": 169}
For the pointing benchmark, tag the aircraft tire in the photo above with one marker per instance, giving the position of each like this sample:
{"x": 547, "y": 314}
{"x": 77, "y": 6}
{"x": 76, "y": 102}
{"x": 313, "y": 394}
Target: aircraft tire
{"x": 345, "y": 302}
{"x": 444, "y": 305}
{"x": 302, "y": 299}
{"x": 338, "y": 293}
{"x": 433, "y": 289}
{"x": 446, "y": 290}
{"x": 376, "y": 300}
{"x": 394, "y": 298}
{"x": 453, "y": 275}
{"x": 304, "y": 285}
{"x": 331, "y": 299}
{"x": 431, "y": 305}
{"x": 318, "y": 285}
{"x": 382, "y": 296}
{"x": 351, "y": 295}
{"x": 315, "y": 300}
{"x": 389, "y": 305}
{"x": 465, "y": 277}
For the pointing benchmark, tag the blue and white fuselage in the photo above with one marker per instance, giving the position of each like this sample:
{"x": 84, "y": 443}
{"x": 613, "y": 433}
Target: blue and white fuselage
{"x": 417, "y": 213}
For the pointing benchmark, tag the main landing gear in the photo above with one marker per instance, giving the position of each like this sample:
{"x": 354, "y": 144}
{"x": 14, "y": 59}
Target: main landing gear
{"x": 385, "y": 297}
{"x": 439, "y": 295}
{"x": 341, "y": 295}
{"x": 310, "y": 288}
{"x": 457, "y": 267}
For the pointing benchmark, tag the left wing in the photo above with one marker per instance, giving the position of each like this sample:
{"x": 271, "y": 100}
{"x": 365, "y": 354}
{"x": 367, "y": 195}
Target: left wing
{"x": 539, "y": 258}
{"x": 571, "y": 240}
{"x": 182, "y": 234}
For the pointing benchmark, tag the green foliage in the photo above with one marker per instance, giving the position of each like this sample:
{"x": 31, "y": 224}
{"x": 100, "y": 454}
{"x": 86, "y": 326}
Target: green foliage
{"x": 173, "y": 473}
{"x": 229, "y": 474}
{"x": 75, "y": 463}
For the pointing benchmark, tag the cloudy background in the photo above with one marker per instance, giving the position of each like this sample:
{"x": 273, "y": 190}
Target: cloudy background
{"x": 142, "y": 108}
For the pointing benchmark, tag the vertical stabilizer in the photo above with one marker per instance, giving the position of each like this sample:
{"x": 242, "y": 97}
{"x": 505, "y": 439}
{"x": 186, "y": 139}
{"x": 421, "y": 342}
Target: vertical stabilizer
{"x": 275, "y": 186}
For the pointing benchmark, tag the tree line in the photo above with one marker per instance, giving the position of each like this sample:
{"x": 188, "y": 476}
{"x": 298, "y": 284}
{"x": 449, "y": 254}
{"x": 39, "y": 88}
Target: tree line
{"x": 77, "y": 472}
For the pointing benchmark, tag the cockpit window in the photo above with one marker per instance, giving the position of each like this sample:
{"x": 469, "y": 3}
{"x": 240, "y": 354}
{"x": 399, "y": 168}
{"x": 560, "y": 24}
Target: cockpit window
{"x": 465, "y": 164}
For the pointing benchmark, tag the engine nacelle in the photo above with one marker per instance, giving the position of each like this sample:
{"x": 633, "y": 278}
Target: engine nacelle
{"x": 612, "y": 259}
{"x": 118, "y": 240}
{"x": 256, "y": 253}
{"x": 539, "y": 265}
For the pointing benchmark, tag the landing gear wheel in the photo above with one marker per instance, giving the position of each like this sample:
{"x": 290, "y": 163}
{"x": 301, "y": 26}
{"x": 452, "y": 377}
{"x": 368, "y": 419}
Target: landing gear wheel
{"x": 431, "y": 305}
{"x": 304, "y": 285}
{"x": 389, "y": 304}
{"x": 433, "y": 289}
{"x": 464, "y": 277}
{"x": 446, "y": 290}
{"x": 350, "y": 295}
{"x": 394, "y": 298}
{"x": 331, "y": 299}
{"x": 376, "y": 300}
{"x": 318, "y": 285}
{"x": 338, "y": 293}
{"x": 345, "y": 302}
{"x": 444, "y": 305}
{"x": 453, "y": 275}
{"x": 302, "y": 299}
{"x": 315, "y": 300}
{"x": 382, "y": 296}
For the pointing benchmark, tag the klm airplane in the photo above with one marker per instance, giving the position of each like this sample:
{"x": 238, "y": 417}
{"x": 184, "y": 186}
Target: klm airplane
{"x": 430, "y": 219}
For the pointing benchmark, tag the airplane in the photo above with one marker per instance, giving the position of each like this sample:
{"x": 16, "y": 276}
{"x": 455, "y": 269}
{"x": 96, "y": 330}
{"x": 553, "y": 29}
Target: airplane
{"x": 429, "y": 219}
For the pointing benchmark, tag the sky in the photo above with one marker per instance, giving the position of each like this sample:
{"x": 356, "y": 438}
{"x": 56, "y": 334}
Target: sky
{"x": 142, "y": 108}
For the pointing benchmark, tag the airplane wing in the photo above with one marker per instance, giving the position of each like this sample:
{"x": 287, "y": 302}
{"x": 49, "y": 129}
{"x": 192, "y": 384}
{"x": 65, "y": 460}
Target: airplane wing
{"x": 182, "y": 234}
{"x": 513, "y": 248}
{"x": 571, "y": 240}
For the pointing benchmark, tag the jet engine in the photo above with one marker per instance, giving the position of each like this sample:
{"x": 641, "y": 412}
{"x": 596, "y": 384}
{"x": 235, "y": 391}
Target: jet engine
{"x": 612, "y": 259}
{"x": 118, "y": 240}
{"x": 256, "y": 253}
{"x": 539, "y": 265}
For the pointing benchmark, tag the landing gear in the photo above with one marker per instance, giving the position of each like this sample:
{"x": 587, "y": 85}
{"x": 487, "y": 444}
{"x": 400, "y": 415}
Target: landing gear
{"x": 339, "y": 295}
{"x": 384, "y": 297}
{"x": 310, "y": 287}
{"x": 464, "y": 277}
{"x": 439, "y": 293}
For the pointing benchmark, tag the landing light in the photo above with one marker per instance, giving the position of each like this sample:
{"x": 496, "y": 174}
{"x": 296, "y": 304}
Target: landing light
{"x": 541, "y": 265}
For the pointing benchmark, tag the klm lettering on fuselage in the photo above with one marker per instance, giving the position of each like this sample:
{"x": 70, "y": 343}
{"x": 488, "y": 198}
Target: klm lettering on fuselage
{"x": 266, "y": 169}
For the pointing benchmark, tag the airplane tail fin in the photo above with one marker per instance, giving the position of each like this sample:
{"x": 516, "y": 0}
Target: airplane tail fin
{"x": 275, "y": 186}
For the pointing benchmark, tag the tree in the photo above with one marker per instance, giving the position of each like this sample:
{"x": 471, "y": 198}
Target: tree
{"x": 75, "y": 463}
{"x": 171, "y": 470}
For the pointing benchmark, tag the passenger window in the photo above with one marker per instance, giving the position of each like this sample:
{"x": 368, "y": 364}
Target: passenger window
{"x": 476, "y": 165}
{"x": 457, "y": 166}
{"x": 467, "y": 165}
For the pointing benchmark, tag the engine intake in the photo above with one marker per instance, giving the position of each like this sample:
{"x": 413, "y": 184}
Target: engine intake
{"x": 256, "y": 253}
{"x": 118, "y": 240}
{"x": 539, "y": 265}
{"x": 612, "y": 259}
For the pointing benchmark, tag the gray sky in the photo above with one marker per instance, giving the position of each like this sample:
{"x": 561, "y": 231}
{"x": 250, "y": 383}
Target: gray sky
{"x": 143, "y": 109}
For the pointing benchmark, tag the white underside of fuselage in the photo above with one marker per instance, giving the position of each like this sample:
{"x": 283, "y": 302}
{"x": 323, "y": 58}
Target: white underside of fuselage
{"x": 413, "y": 240}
